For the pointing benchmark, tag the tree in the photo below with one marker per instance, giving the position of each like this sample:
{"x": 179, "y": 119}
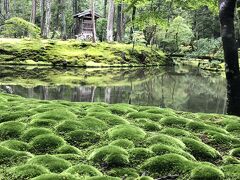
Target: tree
{"x": 93, "y": 20}
{"x": 227, "y": 9}
{"x": 34, "y": 11}
{"x": 110, "y": 21}
{"x": 47, "y": 20}
{"x": 7, "y": 9}
{"x": 119, "y": 21}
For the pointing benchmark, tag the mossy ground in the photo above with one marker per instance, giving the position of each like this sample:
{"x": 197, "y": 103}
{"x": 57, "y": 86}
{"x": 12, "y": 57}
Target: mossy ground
{"x": 76, "y": 53}
{"x": 64, "y": 140}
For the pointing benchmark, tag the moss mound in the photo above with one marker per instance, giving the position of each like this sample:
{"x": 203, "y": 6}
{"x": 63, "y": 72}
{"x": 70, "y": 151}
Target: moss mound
{"x": 54, "y": 164}
{"x": 54, "y": 176}
{"x": 174, "y": 121}
{"x": 103, "y": 178}
{"x": 27, "y": 171}
{"x": 46, "y": 143}
{"x": 11, "y": 129}
{"x": 123, "y": 143}
{"x": 207, "y": 173}
{"x": 123, "y": 172}
{"x": 121, "y": 109}
{"x": 235, "y": 152}
{"x": 48, "y": 123}
{"x": 129, "y": 132}
{"x": 31, "y": 133}
{"x": 67, "y": 149}
{"x": 168, "y": 164}
{"x": 91, "y": 123}
{"x": 231, "y": 171}
{"x": 137, "y": 115}
{"x": 138, "y": 155}
{"x": 15, "y": 145}
{"x": 148, "y": 125}
{"x": 84, "y": 170}
{"x": 83, "y": 138}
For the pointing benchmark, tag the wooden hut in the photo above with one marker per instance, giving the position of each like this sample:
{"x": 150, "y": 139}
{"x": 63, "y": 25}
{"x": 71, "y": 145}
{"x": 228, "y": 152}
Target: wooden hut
{"x": 84, "y": 24}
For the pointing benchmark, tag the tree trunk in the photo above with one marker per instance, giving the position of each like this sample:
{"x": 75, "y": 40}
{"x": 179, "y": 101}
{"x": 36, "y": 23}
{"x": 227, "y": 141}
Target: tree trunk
{"x": 43, "y": 14}
{"x": 7, "y": 9}
{"x": 119, "y": 22}
{"x": 34, "y": 10}
{"x": 227, "y": 8}
{"x": 63, "y": 20}
{"x": 105, "y": 9}
{"x": 77, "y": 22}
{"x": 110, "y": 21}
{"x": 133, "y": 19}
{"x": 93, "y": 21}
{"x": 47, "y": 24}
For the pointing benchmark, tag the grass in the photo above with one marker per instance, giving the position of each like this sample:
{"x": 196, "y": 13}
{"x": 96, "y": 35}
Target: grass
{"x": 51, "y": 140}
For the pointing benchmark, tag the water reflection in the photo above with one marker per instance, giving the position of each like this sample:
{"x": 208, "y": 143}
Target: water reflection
{"x": 180, "y": 88}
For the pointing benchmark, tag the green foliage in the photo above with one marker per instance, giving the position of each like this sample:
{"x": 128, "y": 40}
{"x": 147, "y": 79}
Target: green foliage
{"x": 31, "y": 133}
{"x": 206, "y": 172}
{"x": 137, "y": 115}
{"x": 235, "y": 152}
{"x": 17, "y": 27}
{"x": 148, "y": 125}
{"x": 138, "y": 155}
{"x": 11, "y": 129}
{"x": 231, "y": 171}
{"x": 121, "y": 109}
{"x": 123, "y": 172}
{"x": 54, "y": 164}
{"x": 174, "y": 121}
{"x": 84, "y": 170}
{"x": 129, "y": 132}
{"x": 123, "y": 143}
{"x": 101, "y": 29}
{"x": 15, "y": 145}
{"x": 103, "y": 178}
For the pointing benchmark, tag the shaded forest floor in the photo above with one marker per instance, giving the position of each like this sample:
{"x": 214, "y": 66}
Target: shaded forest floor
{"x": 76, "y": 53}
{"x": 66, "y": 140}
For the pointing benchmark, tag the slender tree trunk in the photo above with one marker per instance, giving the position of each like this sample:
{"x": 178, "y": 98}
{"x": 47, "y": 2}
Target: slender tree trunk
{"x": 77, "y": 22}
{"x": 6, "y": 5}
{"x": 119, "y": 22}
{"x": 110, "y": 21}
{"x": 47, "y": 24}
{"x": 93, "y": 21}
{"x": 43, "y": 14}
{"x": 63, "y": 20}
{"x": 227, "y": 9}
{"x": 105, "y": 9}
{"x": 133, "y": 19}
{"x": 34, "y": 10}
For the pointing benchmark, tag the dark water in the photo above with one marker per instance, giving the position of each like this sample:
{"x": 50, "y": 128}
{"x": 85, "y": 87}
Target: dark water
{"x": 181, "y": 88}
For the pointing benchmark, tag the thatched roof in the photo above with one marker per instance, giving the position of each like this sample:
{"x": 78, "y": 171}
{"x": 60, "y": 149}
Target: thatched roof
{"x": 85, "y": 13}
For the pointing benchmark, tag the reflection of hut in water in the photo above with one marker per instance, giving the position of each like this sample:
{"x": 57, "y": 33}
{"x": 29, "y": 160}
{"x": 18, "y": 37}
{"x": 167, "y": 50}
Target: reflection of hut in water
{"x": 84, "y": 24}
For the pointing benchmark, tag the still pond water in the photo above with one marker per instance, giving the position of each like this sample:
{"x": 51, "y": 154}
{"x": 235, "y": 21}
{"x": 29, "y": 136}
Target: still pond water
{"x": 181, "y": 87}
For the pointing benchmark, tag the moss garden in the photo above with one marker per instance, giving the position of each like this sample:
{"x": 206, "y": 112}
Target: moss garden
{"x": 60, "y": 140}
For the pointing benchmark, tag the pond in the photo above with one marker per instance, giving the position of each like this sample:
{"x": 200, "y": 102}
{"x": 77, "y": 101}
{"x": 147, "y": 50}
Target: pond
{"x": 181, "y": 87}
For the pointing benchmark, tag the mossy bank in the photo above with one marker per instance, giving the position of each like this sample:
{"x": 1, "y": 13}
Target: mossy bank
{"x": 76, "y": 53}
{"x": 44, "y": 140}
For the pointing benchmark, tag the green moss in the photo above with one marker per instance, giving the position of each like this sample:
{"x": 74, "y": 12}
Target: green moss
{"x": 207, "y": 173}
{"x": 167, "y": 164}
{"x": 110, "y": 119}
{"x": 15, "y": 145}
{"x": 230, "y": 160}
{"x": 137, "y": 115}
{"x": 160, "y": 149}
{"x": 72, "y": 158}
{"x": 31, "y": 133}
{"x": 57, "y": 115}
{"x": 235, "y": 152}
{"x": 11, "y": 129}
{"x": 46, "y": 143}
{"x": 91, "y": 123}
{"x": 84, "y": 170}
{"x": 231, "y": 171}
{"x": 174, "y": 121}
{"x": 54, "y": 176}
{"x": 48, "y": 123}
{"x": 123, "y": 143}
{"x": 138, "y": 155}
{"x": 103, "y": 178}
{"x": 148, "y": 125}
{"x": 145, "y": 178}
{"x": 165, "y": 139}
{"x": 123, "y": 172}
{"x": 68, "y": 126}
{"x": 200, "y": 150}
{"x": 54, "y": 164}
{"x": 196, "y": 126}
{"x": 129, "y": 132}
{"x": 82, "y": 138}
{"x": 165, "y": 112}
{"x": 178, "y": 132}
{"x": 121, "y": 109}
{"x": 11, "y": 116}
{"x": 67, "y": 149}
{"x": 26, "y": 171}
{"x": 98, "y": 108}
{"x": 233, "y": 127}
{"x": 113, "y": 155}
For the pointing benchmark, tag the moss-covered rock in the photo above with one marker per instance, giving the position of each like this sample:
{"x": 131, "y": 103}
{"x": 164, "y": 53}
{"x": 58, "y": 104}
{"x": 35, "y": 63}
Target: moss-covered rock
{"x": 84, "y": 170}
{"x": 207, "y": 173}
{"x": 46, "y": 143}
{"x": 168, "y": 164}
{"x": 26, "y": 171}
{"x": 200, "y": 150}
{"x": 129, "y": 132}
{"x": 11, "y": 129}
{"x": 54, "y": 164}
{"x": 82, "y": 138}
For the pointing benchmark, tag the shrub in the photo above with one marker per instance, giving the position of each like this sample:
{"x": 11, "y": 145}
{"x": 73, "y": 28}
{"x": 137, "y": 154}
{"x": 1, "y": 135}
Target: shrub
{"x": 174, "y": 121}
{"x": 15, "y": 145}
{"x": 54, "y": 164}
{"x": 11, "y": 129}
{"x": 129, "y": 132}
{"x": 46, "y": 143}
{"x": 200, "y": 150}
{"x": 54, "y": 176}
{"x": 26, "y": 171}
{"x": 110, "y": 154}
{"x": 165, "y": 139}
{"x": 82, "y": 138}
{"x": 123, "y": 143}
{"x": 31, "y": 133}
{"x": 168, "y": 164}
{"x": 67, "y": 149}
{"x": 138, "y": 155}
{"x": 84, "y": 170}
{"x": 207, "y": 173}
{"x": 137, "y": 115}
{"x": 110, "y": 119}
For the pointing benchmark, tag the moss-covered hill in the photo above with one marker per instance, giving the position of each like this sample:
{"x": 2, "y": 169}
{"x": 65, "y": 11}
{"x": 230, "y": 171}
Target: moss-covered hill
{"x": 76, "y": 53}
{"x": 55, "y": 140}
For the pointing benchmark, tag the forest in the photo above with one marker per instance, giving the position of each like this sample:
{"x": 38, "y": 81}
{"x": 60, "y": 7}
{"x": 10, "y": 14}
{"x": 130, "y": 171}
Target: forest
{"x": 119, "y": 90}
